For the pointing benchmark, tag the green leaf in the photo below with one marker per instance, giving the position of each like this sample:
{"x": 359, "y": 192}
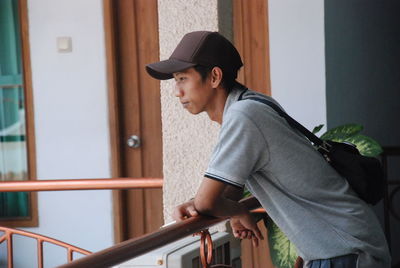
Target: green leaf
{"x": 342, "y": 132}
{"x": 350, "y": 133}
{"x": 366, "y": 145}
{"x": 317, "y": 129}
{"x": 283, "y": 252}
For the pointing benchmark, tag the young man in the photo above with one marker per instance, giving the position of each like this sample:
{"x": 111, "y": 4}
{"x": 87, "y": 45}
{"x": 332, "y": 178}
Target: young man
{"x": 257, "y": 148}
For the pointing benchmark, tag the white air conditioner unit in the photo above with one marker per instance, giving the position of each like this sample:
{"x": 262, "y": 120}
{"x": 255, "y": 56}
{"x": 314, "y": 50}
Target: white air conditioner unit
{"x": 185, "y": 253}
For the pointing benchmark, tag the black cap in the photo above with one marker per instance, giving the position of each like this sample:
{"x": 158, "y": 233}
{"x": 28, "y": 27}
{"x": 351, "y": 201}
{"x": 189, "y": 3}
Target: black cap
{"x": 198, "y": 48}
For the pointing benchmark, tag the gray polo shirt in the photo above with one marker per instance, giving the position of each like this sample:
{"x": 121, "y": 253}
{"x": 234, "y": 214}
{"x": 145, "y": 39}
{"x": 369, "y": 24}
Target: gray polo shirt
{"x": 301, "y": 192}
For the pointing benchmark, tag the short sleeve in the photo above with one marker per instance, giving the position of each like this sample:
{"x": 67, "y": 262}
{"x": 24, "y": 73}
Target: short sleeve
{"x": 241, "y": 150}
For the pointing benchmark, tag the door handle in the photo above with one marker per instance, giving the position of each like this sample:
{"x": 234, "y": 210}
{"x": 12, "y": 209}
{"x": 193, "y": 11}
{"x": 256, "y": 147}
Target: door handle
{"x": 134, "y": 141}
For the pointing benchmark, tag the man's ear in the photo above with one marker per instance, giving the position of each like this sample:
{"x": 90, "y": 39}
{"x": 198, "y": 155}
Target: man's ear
{"x": 216, "y": 77}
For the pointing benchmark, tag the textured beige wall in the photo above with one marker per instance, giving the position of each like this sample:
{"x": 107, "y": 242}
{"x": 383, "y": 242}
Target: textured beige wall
{"x": 188, "y": 140}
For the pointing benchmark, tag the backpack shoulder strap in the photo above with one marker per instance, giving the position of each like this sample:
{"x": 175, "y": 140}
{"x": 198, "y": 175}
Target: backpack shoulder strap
{"x": 293, "y": 123}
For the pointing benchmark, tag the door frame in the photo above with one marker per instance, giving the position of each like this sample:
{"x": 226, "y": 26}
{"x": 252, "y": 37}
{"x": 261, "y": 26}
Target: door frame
{"x": 251, "y": 38}
{"x": 113, "y": 113}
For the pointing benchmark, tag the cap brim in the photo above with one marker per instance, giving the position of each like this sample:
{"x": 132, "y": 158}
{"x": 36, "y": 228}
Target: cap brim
{"x": 163, "y": 70}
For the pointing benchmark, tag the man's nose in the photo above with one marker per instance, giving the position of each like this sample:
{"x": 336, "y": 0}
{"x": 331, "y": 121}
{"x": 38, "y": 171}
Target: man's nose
{"x": 178, "y": 91}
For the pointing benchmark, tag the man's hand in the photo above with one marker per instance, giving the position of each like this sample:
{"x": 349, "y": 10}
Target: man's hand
{"x": 185, "y": 210}
{"x": 244, "y": 227}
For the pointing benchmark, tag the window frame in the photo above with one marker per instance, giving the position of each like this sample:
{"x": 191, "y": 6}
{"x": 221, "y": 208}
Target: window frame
{"x": 32, "y": 220}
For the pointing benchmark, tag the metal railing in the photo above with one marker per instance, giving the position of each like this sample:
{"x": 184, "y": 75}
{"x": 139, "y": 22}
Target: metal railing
{"x": 8, "y": 234}
{"x": 85, "y": 184}
{"x": 137, "y": 246}
{"x": 122, "y": 251}
{"x": 62, "y": 185}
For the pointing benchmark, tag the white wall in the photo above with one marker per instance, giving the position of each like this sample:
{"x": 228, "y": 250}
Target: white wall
{"x": 297, "y": 55}
{"x": 71, "y": 120}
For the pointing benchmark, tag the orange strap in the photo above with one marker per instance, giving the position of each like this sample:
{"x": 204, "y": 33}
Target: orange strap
{"x": 206, "y": 257}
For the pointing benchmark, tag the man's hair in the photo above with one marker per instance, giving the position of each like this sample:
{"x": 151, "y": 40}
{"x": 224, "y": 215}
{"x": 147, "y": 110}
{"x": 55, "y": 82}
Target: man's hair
{"x": 228, "y": 79}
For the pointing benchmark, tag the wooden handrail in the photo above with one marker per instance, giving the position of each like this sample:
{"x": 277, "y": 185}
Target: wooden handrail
{"x": 81, "y": 184}
{"x": 137, "y": 246}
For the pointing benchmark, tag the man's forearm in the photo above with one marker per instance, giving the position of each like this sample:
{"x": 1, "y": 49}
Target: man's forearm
{"x": 224, "y": 207}
{"x": 218, "y": 199}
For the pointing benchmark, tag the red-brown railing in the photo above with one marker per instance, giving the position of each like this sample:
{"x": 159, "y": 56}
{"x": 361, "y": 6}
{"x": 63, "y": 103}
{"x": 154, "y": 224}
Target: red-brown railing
{"x": 137, "y": 246}
{"x": 8, "y": 237}
{"x": 62, "y": 185}
{"x": 85, "y": 184}
{"x": 122, "y": 251}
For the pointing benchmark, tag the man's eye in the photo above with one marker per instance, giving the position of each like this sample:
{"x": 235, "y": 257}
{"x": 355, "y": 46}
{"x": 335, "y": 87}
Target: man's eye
{"x": 182, "y": 78}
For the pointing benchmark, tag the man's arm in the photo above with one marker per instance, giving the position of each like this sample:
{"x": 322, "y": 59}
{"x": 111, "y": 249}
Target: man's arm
{"x": 219, "y": 199}
{"x": 233, "y": 193}
{"x": 187, "y": 209}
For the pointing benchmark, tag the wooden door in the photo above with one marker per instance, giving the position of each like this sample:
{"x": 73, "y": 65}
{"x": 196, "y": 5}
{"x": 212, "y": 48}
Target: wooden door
{"x": 134, "y": 97}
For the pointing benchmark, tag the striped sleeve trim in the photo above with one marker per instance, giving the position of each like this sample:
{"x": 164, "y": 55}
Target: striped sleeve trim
{"x": 219, "y": 178}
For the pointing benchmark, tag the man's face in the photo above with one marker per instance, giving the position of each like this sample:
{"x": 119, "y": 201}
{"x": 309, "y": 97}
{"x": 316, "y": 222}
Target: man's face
{"x": 194, "y": 94}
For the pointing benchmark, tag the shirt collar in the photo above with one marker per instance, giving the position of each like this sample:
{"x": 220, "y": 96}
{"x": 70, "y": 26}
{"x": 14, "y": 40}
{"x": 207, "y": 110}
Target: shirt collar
{"x": 232, "y": 98}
